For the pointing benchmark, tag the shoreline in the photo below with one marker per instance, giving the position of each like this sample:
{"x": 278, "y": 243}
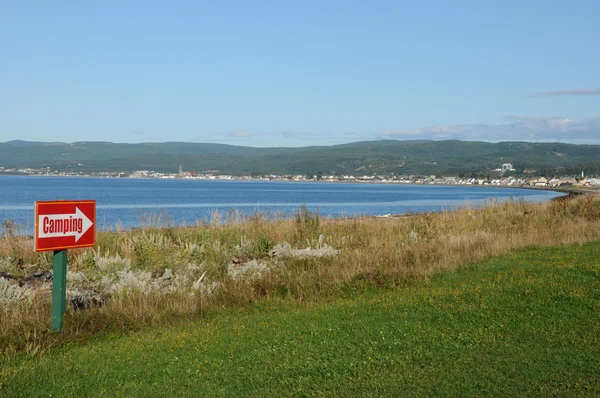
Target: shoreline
{"x": 357, "y": 182}
{"x": 567, "y": 195}
{"x": 561, "y": 192}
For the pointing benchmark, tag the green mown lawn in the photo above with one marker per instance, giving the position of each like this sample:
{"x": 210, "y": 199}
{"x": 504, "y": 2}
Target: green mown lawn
{"x": 524, "y": 324}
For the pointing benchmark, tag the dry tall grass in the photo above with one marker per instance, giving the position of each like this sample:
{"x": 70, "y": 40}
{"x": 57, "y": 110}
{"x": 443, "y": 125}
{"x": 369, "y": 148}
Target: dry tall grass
{"x": 381, "y": 251}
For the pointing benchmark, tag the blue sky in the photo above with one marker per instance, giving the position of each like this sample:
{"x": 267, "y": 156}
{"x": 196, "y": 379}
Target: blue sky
{"x": 297, "y": 73}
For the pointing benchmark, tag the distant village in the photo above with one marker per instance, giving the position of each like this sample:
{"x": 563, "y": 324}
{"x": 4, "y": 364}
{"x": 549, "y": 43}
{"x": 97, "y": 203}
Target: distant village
{"x": 503, "y": 177}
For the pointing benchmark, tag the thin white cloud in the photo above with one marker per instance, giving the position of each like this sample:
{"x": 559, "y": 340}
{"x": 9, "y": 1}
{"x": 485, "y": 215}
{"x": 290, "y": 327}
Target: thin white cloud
{"x": 514, "y": 128}
{"x": 556, "y": 93}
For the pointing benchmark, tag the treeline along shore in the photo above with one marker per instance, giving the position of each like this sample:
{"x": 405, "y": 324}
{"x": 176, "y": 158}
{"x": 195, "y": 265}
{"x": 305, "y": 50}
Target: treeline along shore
{"x": 368, "y": 158}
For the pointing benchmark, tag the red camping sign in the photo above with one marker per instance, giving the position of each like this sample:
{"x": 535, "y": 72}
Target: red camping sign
{"x": 64, "y": 224}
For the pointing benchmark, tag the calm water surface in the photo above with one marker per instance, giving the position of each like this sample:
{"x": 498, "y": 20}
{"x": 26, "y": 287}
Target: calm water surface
{"x": 132, "y": 202}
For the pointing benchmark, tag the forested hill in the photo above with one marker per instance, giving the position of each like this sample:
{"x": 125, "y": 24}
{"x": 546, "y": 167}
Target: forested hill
{"x": 369, "y": 157}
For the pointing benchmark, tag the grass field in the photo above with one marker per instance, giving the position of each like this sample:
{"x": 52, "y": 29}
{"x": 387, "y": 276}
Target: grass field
{"x": 523, "y": 324}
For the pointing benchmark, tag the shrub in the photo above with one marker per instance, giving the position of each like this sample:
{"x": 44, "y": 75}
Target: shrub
{"x": 11, "y": 293}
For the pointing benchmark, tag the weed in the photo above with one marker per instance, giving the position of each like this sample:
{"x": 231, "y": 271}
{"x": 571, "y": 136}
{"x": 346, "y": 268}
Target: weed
{"x": 307, "y": 224}
{"x": 263, "y": 245}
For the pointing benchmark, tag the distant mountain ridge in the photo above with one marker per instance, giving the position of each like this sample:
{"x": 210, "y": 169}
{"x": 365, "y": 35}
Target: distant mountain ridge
{"x": 449, "y": 157}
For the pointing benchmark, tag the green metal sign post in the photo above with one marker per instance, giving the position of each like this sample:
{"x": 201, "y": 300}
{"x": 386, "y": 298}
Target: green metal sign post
{"x": 59, "y": 290}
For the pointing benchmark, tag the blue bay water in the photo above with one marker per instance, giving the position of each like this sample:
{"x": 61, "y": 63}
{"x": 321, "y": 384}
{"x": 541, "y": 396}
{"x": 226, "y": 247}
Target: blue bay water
{"x": 131, "y": 202}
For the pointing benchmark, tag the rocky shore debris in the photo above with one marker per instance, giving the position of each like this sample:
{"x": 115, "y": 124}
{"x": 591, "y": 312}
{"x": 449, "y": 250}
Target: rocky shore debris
{"x": 37, "y": 278}
{"x": 11, "y": 292}
{"x": 14, "y": 288}
{"x": 33, "y": 279}
{"x": 255, "y": 268}
{"x": 286, "y": 250}
{"x": 248, "y": 270}
{"x": 81, "y": 299}
{"x": 198, "y": 283}
{"x": 6, "y": 275}
{"x": 114, "y": 275}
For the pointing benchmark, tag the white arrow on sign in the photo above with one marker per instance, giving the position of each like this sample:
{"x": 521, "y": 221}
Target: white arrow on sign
{"x": 56, "y": 225}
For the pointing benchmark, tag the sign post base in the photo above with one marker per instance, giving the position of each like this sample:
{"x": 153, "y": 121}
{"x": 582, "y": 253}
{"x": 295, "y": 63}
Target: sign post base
{"x": 59, "y": 290}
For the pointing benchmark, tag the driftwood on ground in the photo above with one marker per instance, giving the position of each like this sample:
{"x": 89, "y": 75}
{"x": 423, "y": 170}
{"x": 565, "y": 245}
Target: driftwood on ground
{"x": 287, "y": 250}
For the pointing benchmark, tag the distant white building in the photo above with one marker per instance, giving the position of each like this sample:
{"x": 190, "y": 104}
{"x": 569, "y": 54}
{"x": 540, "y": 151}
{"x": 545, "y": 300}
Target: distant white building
{"x": 592, "y": 182}
{"x": 541, "y": 182}
{"x": 507, "y": 167}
